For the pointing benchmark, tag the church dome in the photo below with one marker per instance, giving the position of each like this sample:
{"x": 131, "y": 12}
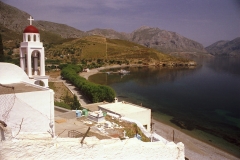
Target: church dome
{"x": 30, "y": 29}
{"x": 11, "y": 73}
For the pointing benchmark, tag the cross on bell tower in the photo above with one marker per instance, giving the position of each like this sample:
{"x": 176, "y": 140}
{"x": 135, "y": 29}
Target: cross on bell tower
{"x": 30, "y": 20}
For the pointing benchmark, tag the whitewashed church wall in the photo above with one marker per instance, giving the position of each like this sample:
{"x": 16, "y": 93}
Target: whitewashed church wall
{"x": 39, "y": 100}
{"x": 30, "y": 112}
{"x": 32, "y": 44}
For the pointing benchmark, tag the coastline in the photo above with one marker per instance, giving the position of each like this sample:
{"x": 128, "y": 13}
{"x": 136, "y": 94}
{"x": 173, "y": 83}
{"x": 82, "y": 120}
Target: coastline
{"x": 96, "y": 70}
{"x": 194, "y": 148}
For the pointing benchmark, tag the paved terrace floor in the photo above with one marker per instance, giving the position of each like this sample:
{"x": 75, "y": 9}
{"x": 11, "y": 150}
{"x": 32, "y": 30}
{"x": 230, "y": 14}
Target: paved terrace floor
{"x": 65, "y": 121}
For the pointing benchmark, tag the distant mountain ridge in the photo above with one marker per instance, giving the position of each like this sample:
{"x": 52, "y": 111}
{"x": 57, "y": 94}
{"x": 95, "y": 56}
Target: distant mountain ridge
{"x": 166, "y": 41}
{"x": 156, "y": 38}
{"x": 162, "y": 40}
{"x": 225, "y": 48}
{"x": 16, "y": 20}
{"x": 63, "y": 30}
{"x": 110, "y": 33}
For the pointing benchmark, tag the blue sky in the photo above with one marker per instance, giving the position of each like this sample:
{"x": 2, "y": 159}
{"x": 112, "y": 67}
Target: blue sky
{"x": 205, "y": 21}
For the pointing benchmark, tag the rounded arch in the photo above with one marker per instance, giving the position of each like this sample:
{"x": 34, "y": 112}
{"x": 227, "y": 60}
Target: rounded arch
{"x": 36, "y": 53}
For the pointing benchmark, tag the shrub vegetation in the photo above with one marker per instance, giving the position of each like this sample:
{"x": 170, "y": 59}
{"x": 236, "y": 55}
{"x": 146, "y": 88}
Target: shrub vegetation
{"x": 94, "y": 92}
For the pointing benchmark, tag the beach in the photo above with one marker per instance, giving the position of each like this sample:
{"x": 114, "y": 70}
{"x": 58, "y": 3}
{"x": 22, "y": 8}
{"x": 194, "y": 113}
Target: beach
{"x": 194, "y": 148}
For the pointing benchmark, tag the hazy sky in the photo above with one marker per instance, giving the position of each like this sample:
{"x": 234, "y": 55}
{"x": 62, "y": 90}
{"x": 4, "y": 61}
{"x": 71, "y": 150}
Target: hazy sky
{"x": 205, "y": 21}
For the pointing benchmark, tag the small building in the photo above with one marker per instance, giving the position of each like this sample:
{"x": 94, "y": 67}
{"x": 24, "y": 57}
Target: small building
{"x": 129, "y": 110}
{"x": 96, "y": 116}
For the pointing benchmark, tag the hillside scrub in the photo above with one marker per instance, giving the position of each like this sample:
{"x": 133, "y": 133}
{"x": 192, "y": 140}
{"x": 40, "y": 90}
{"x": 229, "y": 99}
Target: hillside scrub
{"x": 97, "y": 51}
{"x": 94, "y": 92}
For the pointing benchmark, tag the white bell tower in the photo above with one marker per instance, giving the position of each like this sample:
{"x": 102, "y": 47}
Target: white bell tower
{"x": 32, "y": 55}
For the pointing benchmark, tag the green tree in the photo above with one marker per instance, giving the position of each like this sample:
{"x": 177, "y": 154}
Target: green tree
{"x": 2, "y": 58}
{"x": 94, "y": 92}
{"x": 75, "y": 105}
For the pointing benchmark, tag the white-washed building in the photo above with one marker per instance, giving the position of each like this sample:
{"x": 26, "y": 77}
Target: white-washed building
{"x": 129, "y": 110}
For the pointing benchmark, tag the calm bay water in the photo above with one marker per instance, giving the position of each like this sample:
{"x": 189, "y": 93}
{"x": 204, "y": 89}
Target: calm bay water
{"x": 205, "y": 98}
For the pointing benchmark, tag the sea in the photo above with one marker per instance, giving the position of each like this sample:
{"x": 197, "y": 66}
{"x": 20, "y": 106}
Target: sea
{"x": 202, "y": 101}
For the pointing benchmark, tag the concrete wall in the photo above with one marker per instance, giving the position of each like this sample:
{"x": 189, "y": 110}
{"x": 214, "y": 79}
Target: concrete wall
{"x": 35, "y": 110}
{"x": 144, "y": 117}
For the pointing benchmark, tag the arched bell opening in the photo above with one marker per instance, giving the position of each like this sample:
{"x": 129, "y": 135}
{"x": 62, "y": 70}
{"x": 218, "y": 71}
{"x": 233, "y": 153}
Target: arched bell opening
{"x": 35, "y": 62}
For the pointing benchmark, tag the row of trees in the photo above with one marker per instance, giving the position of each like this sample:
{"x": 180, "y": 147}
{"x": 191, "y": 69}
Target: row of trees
{"x": 94, "y": 92}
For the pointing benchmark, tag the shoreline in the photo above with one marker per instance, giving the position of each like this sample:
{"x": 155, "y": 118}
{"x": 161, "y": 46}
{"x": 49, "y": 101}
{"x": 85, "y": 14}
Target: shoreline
{"x": 97, "y": 70}
{"x": 194, "y": 148}
{"x": 196, "y": 145}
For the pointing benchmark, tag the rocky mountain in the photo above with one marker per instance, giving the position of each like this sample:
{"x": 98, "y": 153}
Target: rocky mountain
{"x": 110, "y": 33}
{"x": 162, "y": 40}
{"x": 166, "y": 41}
{"x": 16, "y": 20}
{"x": 13, "y": 19}
{"x": 225, "y": 48}
{"x": 63, "y": 30}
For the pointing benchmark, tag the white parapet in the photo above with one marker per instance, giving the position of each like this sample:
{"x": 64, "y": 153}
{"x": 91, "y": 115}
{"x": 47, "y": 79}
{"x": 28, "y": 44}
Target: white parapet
{"x": 33, "y": 146}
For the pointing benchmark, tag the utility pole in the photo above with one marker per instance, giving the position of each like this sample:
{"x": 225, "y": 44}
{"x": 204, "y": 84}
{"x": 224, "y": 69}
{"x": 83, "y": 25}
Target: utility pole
{"x": 106, "y": 47}
{"x": 85, "y": 135}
